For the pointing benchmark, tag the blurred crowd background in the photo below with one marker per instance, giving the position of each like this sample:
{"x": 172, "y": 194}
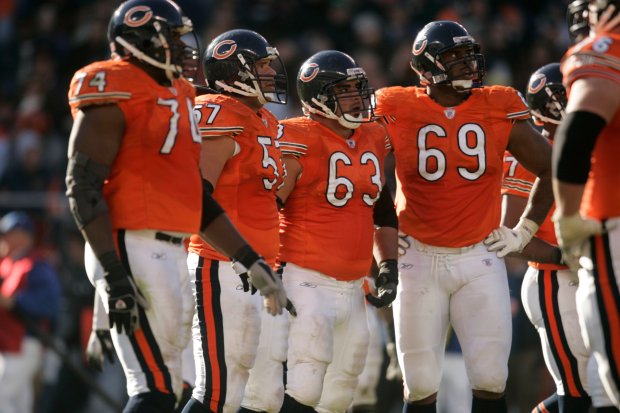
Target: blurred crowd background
{"x": 42, "y": 43}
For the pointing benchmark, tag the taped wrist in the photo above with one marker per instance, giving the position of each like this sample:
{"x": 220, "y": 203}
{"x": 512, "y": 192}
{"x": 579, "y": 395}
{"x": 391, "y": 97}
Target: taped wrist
{"x": 210, "y": 207}
{"x": 112, "y": 267}
{"x": 84, "y": 181}
{"x": 528, "y": 226}
{"x": 573, "y": 144}
{"x": 246, "y": 256}
{"x": 383, "y": 213}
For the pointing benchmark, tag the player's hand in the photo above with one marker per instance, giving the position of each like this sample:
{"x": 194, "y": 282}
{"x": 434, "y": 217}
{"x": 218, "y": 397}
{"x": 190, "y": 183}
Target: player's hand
{"x": 607, "y": 21}
{"x": 393, "y": 372}
{"x": 124, "y": 302}
{"x": 264, "y": 279}
{"x": 270, "y": 286}
{"x": 403, "y": 243}
{"x": 504, "y": 240}
{"x": 386, "y": 283}
{"x": 99, "y": 347}
{"x": 572, "y": 232}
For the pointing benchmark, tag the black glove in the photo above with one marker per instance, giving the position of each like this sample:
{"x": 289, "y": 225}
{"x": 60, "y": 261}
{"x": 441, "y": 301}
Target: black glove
{"x": 386, "y": 283}
{"x": 124, "y": 298}
{"x": 99, "y": 347}
{"x": 245, "y": 280}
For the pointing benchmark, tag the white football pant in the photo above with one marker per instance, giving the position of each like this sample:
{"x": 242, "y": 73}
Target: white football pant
{"x": 328, "y": 340}
{"x": 366, "y": 390}
{"x": 465, "y": 287}
{"x": 225, "y": 331}
{"x": 264, "y": 390}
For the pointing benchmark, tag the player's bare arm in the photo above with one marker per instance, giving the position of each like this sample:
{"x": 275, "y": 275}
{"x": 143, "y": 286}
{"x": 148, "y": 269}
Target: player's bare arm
{"x": 215, "y": 152}
{"x": 293, "y": 173}
{"x": 96, "y": 136}
{"x": 533, "y": 151}
{"x": 597, "y": 96}
{"x": 592, "y": 105}
{"x": 93, "y": 145}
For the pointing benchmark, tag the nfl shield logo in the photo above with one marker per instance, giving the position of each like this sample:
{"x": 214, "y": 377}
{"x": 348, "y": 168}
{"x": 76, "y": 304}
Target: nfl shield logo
{"x": 265, "y": 122}
{"x": 449, "y": 112}
{"x": 351, "y": 143}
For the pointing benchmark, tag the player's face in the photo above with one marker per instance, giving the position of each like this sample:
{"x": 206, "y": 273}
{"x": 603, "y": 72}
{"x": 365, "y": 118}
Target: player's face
{"x": 460, "y": 63}
{"x": 266, "y": 74}
{"x": 348, "y": 97}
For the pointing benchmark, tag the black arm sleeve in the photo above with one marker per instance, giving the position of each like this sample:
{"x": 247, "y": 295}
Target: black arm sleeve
{"x": 384, "y": 214}
{"x": 573, "y": 145}
{"x": 210, "y": 208}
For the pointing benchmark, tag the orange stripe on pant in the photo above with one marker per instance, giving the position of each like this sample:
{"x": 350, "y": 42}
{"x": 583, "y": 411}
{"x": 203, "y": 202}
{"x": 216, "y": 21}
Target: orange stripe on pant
{"x": 554, "y": 334}
{"x": 609, "y": 302}
{"x": 147, "y": 353}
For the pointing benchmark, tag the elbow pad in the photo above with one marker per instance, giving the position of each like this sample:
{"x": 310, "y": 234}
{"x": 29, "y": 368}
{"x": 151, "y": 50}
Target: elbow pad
{"x": 573, "y": 144}
{"x": 384, "y": 214}
{"x": 210, "y": 207}
{"x": 84, "y": 181}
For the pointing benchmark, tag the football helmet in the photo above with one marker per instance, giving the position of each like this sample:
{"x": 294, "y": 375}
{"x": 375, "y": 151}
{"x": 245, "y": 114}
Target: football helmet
{"x": 317, "y": 83}
{"x": 430, "y": 51}
{"x": 546, "y": 95}
{"x": 230, "y": 65}
{"x": 577, "y": 20}
{"x": 151, "y": 31}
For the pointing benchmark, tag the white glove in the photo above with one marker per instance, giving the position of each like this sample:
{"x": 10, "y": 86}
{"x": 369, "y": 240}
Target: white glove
{"x": 264, "y": 279}
{"x": 573, "y": 231}
{"x": 505, "y": 240}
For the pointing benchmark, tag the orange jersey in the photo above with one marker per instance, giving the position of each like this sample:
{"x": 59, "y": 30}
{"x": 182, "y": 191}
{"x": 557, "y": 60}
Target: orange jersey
{"x": 518, "y": 181}
{"x": 599, "y": 57}
{"x": 449, "y": 161}
{"x": 154, "y": 182}
{"x": 247, "y": 186}
{"x": 327, "y": 222}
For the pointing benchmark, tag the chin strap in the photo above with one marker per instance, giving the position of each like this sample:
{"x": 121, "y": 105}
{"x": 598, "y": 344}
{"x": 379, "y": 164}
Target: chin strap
{"x": 167, "y": 66}
{"x": 328, "y": 113}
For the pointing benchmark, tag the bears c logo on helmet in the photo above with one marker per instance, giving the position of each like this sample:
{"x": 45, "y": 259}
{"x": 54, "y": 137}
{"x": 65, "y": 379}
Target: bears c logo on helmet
{"x": 419, "y": 47}
{"x": 537, "y": 83}
{"x": 315, "y": 71}
{"x": 220, "y": 52}
{"x": 133, "y": 18}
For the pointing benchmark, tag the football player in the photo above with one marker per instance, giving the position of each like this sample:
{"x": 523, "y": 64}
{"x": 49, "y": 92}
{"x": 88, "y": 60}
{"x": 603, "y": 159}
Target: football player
{"x": 449, "y": 138}
{"x": 334, "y": 192}
{"x": 586, "y": 174}
{"x": 135, "y": 191}
{"x": 242, "y": 167}
{"x": 549, "y": 286}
